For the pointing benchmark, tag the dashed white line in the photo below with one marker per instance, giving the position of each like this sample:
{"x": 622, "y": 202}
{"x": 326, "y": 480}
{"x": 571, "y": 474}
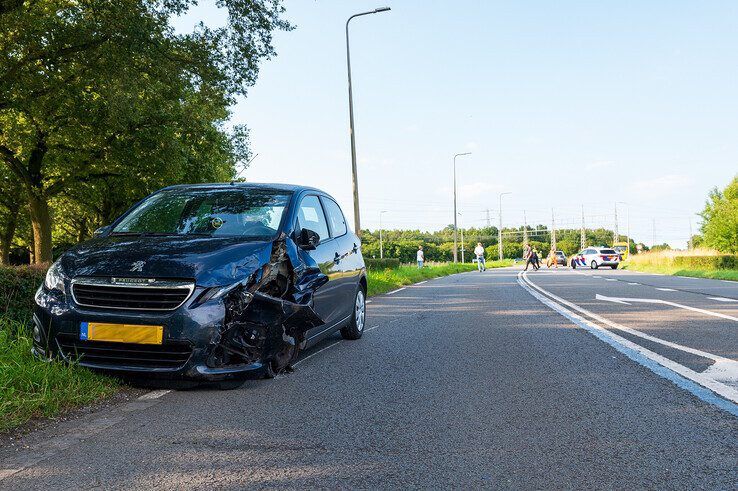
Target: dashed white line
{"x": 666, "y": 289}
{"x": 722, "y": 299}
{"x": 610, "y": 279}
{"x": 313, "y": 354}
{"x": 371, "y": 328}
{"x": 154, "y": 394}
{"x": 368, "y": 301}
{"x": 634, "y": 283}
{"x": 395, "y": 291}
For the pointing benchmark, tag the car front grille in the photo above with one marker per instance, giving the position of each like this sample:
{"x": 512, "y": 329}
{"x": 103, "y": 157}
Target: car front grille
{"x": 168, "y": 355}
{"x": 158, "y": 295}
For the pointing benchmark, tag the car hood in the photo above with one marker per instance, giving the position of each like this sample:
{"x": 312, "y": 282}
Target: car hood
{"x": 209, "y": 261}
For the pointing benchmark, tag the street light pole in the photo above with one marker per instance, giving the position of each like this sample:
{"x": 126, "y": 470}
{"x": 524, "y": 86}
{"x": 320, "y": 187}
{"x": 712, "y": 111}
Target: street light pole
{"x": 456, "y": 257}
{"x": 462, "y": 241}
{"x": 499, "y": 230}
{"x": 354, "y": 177}
{"x": 627, "y": 225}
{"x": 381, "y": 245}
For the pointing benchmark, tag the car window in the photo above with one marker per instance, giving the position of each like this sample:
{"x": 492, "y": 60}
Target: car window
{"x": 233, "y": 212}
{"x": 607, "y": 251}
{"x": 310, "y": 216}
{"x": 589, "y": 251}
{"x": 335, "y": 217}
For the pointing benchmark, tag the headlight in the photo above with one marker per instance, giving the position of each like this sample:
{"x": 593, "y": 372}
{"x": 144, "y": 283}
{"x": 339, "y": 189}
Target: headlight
{"x": 54, "y": 278}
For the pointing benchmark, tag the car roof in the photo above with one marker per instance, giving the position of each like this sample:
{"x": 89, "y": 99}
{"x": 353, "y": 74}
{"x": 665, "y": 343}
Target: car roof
{"x": 294, "y": 188}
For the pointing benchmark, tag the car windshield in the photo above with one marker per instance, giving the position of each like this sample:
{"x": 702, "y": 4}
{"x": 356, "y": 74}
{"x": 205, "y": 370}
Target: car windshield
{"x": 237, "y": 212}
{"x": 607, "y": 251}
{"x": 619, "y": 248}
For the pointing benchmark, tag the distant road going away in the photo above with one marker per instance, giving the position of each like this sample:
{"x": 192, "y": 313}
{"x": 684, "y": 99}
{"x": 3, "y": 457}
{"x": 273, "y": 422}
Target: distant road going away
{"x": 503, "y": 379}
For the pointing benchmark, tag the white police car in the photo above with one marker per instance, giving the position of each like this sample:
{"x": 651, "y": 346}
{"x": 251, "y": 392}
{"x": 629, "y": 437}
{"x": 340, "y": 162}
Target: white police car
{"x": 594, "y": 257}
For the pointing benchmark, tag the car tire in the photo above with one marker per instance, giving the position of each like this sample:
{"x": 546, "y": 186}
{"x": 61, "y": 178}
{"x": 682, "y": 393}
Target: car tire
{"x": 614, "y": 266}
{"x": 355, "y": 328}
{"x": 594, "y": 265}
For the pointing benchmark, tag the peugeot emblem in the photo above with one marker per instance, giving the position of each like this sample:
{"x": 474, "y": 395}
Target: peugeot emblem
{"x": 138, "y": 266}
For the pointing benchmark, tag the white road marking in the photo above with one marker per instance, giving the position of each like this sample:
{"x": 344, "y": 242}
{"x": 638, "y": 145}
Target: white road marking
{"x": 634, "y": 283}
{"x": 664, "y": 302}
{"x": 421, "y": 282}
{"x": 666, "y": 289}
{"x": 395, "y": 291}
{"x": 721, "y": 299}
{"x": 610, "y": 279}
{"x": 313, "y": 354}
{"x": 596, "y": 276}
{"x": 368, "y": 301}
{"x": 371, "y": 328}
{"x": 154, "y": 394}
{"x": 673, "y": 371}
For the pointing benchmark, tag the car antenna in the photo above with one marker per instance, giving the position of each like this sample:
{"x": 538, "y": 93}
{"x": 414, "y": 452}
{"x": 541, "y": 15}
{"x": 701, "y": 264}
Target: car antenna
{"x": 233, "y": 181}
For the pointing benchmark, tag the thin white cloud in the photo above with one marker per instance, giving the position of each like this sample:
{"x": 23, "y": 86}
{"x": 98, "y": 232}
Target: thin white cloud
{"x": 600, "y": 164}
{"x": 662, "y": 185}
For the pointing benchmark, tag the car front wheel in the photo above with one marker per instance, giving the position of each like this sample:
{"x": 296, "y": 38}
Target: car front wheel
{"x": 594, "y": 265}
{"x": 355, "y": 328}
{"x": 614, "y": 266}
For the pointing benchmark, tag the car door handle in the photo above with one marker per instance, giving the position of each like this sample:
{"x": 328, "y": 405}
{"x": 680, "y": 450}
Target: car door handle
{"x": 337, "y": 258}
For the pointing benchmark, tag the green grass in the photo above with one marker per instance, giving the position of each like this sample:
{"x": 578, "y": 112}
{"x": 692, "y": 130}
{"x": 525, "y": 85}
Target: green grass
{"x": 382, "y": 281}
{"x": 717, "y": 274}
{"x": 31, "y": 388}
{"x": 664, "y": 262}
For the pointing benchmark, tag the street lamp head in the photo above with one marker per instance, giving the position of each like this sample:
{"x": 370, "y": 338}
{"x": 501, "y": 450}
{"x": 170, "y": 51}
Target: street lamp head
{"x": 460, "y": 154}
{"x": 381, "y": 9}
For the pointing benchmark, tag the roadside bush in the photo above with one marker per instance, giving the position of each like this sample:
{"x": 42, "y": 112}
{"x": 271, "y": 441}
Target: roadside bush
{"x": 18, "y": 284}
{"x": 386, "y": 263}
{"x": 710, "y": 263}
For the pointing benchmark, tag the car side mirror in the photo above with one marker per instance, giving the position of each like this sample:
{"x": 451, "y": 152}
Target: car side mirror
{"x": 102, "y": 231}
{"x": 308, "y": 239}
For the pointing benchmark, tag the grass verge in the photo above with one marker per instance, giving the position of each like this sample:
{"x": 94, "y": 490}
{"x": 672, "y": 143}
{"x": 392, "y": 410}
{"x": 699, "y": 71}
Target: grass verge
{"x": 382, "y": 281}
{"x": 30, "y": 388}
{"x": 718, "y": 274}
{"x": 695, "y": 263}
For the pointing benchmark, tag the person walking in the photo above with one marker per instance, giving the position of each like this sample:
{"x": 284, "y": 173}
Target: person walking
{"x": 535, "y": 259}
{"x": 552, "y": 259}
{"x": 420, "y": 256}
{"x": 479, "y": 252}
{"x": 528, "y": 256}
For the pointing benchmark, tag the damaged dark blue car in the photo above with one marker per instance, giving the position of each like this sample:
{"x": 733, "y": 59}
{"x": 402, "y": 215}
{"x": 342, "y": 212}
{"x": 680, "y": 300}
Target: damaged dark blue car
{"x": 212, "y": 282}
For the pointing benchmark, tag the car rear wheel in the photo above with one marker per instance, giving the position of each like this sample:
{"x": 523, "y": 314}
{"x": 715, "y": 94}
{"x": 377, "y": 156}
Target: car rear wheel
{"x": 614, "y": 266}
{"x": 594, "y": 265}
{"x": 355, "y": 328}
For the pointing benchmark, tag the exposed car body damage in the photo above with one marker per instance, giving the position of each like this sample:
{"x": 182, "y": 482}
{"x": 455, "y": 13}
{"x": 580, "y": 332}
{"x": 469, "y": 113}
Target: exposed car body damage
{"x": 268, "y": 315}
{"x": 174, "y": 297}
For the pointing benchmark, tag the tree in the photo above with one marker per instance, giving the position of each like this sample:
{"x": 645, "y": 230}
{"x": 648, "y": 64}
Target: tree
{"x": 105, "y": 93}
{"x": 720, "y": 219}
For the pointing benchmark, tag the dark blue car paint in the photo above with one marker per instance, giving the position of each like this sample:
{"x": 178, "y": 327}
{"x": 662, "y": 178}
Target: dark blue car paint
{"x": 209, "y": 262}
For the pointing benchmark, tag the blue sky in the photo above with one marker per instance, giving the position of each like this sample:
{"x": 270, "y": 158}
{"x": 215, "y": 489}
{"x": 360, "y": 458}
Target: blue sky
{"x": 562, "y": 103}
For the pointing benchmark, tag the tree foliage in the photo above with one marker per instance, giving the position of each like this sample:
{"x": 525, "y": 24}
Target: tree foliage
{"x": 101, "y": 102}
{"x": 720, "y": 219}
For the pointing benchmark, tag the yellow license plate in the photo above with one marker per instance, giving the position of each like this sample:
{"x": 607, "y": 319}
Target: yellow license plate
{"x": 121, "y": 333}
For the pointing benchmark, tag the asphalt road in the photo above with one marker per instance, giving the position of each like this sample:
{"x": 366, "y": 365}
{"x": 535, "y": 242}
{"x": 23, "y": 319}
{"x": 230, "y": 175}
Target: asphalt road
{"x": 474, "y": 380}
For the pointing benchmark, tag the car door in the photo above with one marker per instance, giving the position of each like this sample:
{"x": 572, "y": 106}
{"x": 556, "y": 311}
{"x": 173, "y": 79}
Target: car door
{"x": 347, "y": 253}
{"x": 310, "y": 215}
{"x": 589, "y": 255}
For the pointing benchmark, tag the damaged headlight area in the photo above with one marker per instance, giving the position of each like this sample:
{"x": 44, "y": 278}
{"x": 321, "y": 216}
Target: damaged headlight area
{"x": 267, "y": 316}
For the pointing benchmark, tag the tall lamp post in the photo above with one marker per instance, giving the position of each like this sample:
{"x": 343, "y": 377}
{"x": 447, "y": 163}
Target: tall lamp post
{"x": 456, "y": 257}
{"x": 627, "y": 230}
{"x": 462, "y": 242}
{"x": 499, "y": 230}
{"x": 381, "y": 244}
{"x": 354, "y": 178}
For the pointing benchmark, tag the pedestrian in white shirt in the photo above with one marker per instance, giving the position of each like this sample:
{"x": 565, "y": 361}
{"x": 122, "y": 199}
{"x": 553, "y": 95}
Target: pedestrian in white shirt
{"x": 420, "y": 256}
{"x": 479, "y": 252}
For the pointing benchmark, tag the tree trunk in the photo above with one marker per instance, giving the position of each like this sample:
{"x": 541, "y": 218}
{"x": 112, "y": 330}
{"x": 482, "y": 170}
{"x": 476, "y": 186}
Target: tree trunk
{"x": 6, "y": 240}
{"x": 41, "y": 222}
